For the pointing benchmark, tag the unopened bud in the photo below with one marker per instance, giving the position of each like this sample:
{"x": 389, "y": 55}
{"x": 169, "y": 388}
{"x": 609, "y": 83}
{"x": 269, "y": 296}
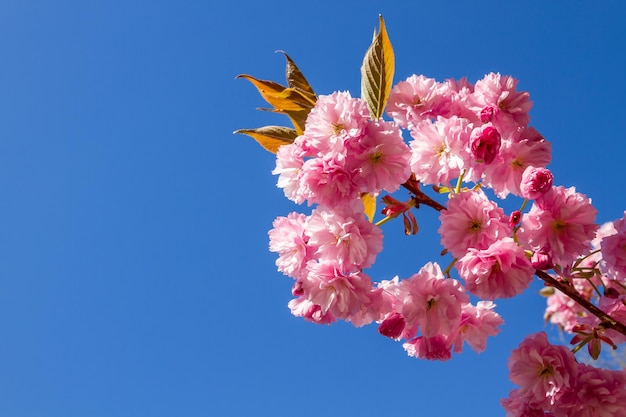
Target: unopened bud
{"x": 515, "y": 218}
{"x": 485, "y": 144}
{"x": 392, "y": 326}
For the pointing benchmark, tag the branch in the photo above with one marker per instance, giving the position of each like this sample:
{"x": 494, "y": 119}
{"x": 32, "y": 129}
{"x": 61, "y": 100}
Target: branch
{"x": 570, "y": 291}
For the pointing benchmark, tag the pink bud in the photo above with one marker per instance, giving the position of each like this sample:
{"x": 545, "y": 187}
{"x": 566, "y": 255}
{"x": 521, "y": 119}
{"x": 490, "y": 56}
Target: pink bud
{"x": 485, "y": 144}
{"x": 515, "y": 218}
{"x": 392, "y": 326}
{"x": 536, "y": 182}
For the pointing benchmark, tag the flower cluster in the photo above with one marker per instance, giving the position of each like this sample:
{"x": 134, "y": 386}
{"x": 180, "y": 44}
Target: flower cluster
{"x": 552, "y": 382}
{"x": 469, "y": 141}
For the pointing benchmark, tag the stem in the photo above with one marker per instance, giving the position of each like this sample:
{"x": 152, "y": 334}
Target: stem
{"x": 571, "y": 292}
{"x": 383, "y": 221}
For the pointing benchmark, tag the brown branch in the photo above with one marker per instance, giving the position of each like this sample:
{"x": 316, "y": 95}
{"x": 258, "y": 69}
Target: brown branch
{"x": 570, "y": 291}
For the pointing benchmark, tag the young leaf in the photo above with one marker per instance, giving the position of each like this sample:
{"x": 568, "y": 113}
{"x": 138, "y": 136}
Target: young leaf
{"x": 377, "y": 72}
{"x": 282, "y": 98}
{"x": 295, "y": 78}
{"x": 271, "y": 137}
{"x": 369, "y": 205}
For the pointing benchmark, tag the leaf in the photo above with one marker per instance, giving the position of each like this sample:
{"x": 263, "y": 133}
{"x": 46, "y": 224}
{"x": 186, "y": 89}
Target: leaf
{"x": 295, "y": 78}
{"x": 377, "y": 72}
{"x": 369, "y": 205}
{"x": 297, "y": 117}
{"x": 271, "y": 137}
{"x": 282, "y": 98}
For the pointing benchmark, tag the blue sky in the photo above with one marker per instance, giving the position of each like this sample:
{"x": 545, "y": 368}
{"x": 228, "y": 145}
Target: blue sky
{"x": 135, "y": 278}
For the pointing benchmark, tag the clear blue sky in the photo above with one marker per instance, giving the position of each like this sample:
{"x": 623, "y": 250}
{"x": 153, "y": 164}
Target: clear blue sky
{"x": 134, "y": 273}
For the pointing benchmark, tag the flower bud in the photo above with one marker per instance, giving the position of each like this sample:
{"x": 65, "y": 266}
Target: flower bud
{"x": 536, "y": 182}
{"x": 392, "y": 326}
{"x": 514, "y": 218}
{"x": 485, "y": 144}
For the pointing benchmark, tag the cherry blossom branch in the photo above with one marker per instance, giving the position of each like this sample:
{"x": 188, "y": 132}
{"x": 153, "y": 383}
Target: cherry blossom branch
{"x": 571, "y": 292}
{"x": 413, "y": 186}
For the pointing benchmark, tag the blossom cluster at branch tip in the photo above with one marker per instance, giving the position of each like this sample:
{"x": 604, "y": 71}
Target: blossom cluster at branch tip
{"x": 473, "y": 142}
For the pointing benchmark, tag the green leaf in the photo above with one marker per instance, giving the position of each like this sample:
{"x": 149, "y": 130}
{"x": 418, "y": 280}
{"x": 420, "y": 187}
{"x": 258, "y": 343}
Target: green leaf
{"x": 295, "y": 78}
{"x": 271, "y": 137}
{"x": 369, "y": 205}
{"x": 377, "y": 72}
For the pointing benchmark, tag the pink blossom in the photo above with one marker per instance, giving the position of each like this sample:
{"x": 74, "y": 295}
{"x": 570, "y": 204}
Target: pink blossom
{"x": 519, "y": 149}
{"x": 500, "y": 271}
{"x": 431, "y": 348}
{"x": 344, "y": 236}
{"x": 289, "y": 161}
{"x": 339, "y": 293}
{"x": 416, "y": 99}
{"x": 614, "y": 251}
{"x": 382, "y": 159}
{"x": 302, "y": 307}
{"x": 499, "y": 93}
{"x": 431, "y": 301}
{"x": 289, "y": 240}
{"x": 535, "y": 182}
{"x": 563, "y": 311}
{"x": 485, "y": 144}
{"x": 477, "y": 324}
{"x": 335, "y": 119}
{"x": 439, "y": 150}
{"x": 562, "y": 221}
{"x": 598, "y": 392}
{"x": 328, "y": 181}
{"x": 543, "y": 371}
{"x": 471, "y": 220}
{"x": 517, "y": 405}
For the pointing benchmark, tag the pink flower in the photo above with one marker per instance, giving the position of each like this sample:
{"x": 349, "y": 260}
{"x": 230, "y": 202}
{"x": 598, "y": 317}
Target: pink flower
{"x": 416, "y": 99}
{"x": 563, "y": 311}
{"x": 431, "y": 348}
{"x": 431, "y": 301}
{"x": 543, "y": 371}
{"x": 535, "y": 182}
{"x": 598, "y": 392}
{"x": 500, "y": 271}
{"x": 471, "y": 220}
{"x": 341, "y": 294}
{"x": 302, "y": 307}
{"x": 289, "y": 240}
{"x": 614, "y": 251}
{"x": 562, "y": 221}
{"x": 517, "y": 405}
{"x": 520, "y": 149}
{"x": 485, "y": 144}
{"x": 439, "y": 150}
{"x": 382, "y": 160}
{"x": 344, "y": 236}
{"x": 289, "y": 161}
{"x": 499, "y": 93}
{"x": 477, "y": 324}
{"x": 335, "y": 119}
{"x": 328, "y": 181}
